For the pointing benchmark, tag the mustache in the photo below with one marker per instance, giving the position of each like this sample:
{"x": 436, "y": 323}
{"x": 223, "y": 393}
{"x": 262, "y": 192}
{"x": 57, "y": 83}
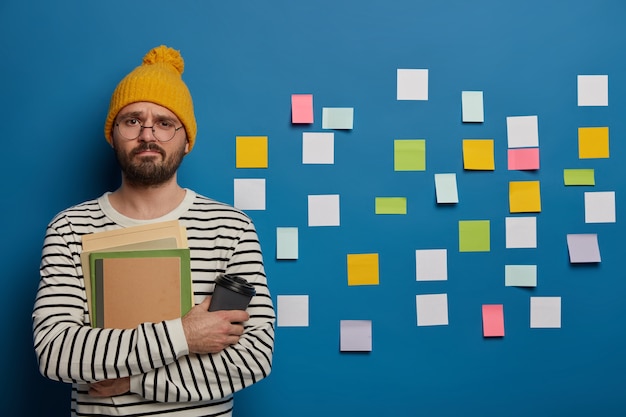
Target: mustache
{"x": 148, "y": 146}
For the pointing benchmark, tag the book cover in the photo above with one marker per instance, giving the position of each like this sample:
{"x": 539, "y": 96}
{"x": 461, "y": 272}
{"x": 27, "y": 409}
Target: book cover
{"x": 133, "y": 287}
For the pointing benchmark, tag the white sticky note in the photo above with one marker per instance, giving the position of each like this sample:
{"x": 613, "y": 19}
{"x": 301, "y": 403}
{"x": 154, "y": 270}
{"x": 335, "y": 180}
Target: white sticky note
{"x": 286, "y": 243}
{"x": 446, "y": 188}
{"x": 337, "y": 118}
{"x": 521, "y": 232}
{"x": 472, "y": 106}
{"x": 600, "y": 207}
{"x": 292, "y": 310}
{"x": 583, "y": 248}
{"x": 323, "y": 210}
{"x": 250, "y": 194}
{"x": 412, "y": 84}
{"x": 431, "y": 265}
{"x": 593, "y": 90}
{"x": 355, "y": 335}
{"x": 522, "y": 131}
{"x": 545, "y": 312}
{"x": 432, "y": 309}
{"x": 520, "y": 275}
{"x": 318, "y": 147}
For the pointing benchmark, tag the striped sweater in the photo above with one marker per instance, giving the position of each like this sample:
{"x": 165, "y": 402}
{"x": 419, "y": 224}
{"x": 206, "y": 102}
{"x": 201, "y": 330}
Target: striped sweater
{"x": 166, "y": 380}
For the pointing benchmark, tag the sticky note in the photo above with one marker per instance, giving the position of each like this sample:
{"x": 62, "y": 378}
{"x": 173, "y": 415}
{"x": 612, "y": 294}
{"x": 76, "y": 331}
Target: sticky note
{"x": 520, "y": 275}
{"x": 292, "y": 311}
{"x": 302, "y": 108}
{"x": 355, "y": 336}
{"x": 579, "y": 177}
{"x": 600, "y": 207}
{"x": 524, "y": 197}
{"x": 286, "y": 243}
{"x": 251, "y": 151}
{"x": 337, "y": 118}
{"x": 522, "y": 159}
{"x": 318, "y": 147}
{"x": 593, "y": 90}
{"x": 250, "y": 193}
{"x": 583, "y": 248}
{"x": 390, "y": 205}
{"x": 412, "y": 84}
{"x": 521, "y": 232}
{"x": 593, "y": 142}
{"x": 432, "y": 309}
{"x": 409, "y": 155}
{"x": 545, "y": 312}
{"x": 363, "y": 269}
{"x": 474, "y": 236}
{"x": 493, "y": 320}
{"x": 446, "y": 189}
{"x": 323, "y": 210}
{"x": 431, "y": 265}
{"x": 472, "y": 106}
{"x": 478, "y": 154}
{"x": 522, "y": 131}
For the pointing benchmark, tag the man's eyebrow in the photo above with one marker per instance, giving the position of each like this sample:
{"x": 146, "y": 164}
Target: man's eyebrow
{"x": 130, "y": 114}
{"x": 138, "y": 114}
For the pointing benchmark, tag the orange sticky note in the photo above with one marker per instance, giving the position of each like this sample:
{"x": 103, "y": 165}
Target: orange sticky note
{"x": 478, "y": 154}
{"x": 523, "y": 159}
{"x": 363, "y": 269}
{"x": 251, "y": 152}
{"x": 593, "y": 142}
{"x": 493, "y": 320}
{"x": 524, "y": 197}
{"x": 302, "y": 108}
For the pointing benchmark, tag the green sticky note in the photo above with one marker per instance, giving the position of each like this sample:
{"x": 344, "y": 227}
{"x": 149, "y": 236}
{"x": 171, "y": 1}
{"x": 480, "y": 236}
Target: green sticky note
{"x": 286, "y": 243}
{"x": 337, "y": 118}
{"x": 579, "y": 177}
{"x": 409, "y": 155}
{"x": 390, "y": 205}
{"x": 520, "y": 275}
{"x": 474, "y": 236}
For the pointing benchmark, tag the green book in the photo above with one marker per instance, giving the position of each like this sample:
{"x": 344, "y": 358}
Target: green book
{"x": 133, "y": 287}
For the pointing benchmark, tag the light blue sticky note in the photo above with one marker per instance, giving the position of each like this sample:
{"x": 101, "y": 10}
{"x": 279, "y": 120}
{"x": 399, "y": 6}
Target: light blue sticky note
{"x": 337, "y": 117}
{"x": 446, "y": 189}
{"x": 286, "y": 243}
{"x": 472, "y": 104}
{"x": 520, "y": 275}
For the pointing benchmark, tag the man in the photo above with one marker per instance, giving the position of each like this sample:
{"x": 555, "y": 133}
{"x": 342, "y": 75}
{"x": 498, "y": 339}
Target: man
{"x": 189, "y": 366}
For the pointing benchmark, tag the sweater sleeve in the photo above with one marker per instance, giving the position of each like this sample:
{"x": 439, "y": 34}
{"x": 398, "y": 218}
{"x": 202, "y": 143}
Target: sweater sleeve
{"x": 67, "y": 348}
{"x": 215, "y": 376}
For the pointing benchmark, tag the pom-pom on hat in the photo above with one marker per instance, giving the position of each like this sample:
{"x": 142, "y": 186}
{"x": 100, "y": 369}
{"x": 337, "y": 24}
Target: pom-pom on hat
{"x": 157, "y": 80}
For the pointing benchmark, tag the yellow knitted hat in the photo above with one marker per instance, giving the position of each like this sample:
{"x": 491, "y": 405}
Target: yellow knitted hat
{"x": 157, "y": 80}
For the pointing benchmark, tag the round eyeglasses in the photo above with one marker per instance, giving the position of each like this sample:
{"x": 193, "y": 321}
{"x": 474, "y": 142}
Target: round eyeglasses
{"x": 131, "y": 128}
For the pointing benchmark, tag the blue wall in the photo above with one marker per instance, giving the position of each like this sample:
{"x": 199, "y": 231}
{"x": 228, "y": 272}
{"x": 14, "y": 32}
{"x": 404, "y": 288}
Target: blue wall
{"x": 244, "y": 59}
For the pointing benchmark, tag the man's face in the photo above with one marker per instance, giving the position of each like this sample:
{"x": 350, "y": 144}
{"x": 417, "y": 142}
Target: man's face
{"x": 144, "y": 160}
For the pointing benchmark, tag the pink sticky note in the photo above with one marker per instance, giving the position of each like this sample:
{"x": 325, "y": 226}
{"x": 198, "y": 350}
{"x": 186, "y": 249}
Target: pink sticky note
{"x": 493, "y": 320}
{"x": 302, "y": 108}
{"x": 523, "y": 159}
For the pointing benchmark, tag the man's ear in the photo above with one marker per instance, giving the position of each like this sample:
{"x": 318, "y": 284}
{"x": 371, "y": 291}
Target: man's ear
{"x": 187, "y": 147}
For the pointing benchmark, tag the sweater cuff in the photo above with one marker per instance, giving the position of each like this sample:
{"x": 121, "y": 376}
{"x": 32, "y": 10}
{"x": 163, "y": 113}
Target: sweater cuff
{"x": 177, "y": 336}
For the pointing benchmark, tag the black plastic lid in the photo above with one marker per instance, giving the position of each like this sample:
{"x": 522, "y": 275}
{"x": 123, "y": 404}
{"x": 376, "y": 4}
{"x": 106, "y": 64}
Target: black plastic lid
{"x": 236, "y": 283}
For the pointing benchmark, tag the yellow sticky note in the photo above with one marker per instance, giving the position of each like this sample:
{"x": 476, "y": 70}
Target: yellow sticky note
{"x": 363, "y": 269}
{"x": 478, "y": 154}
{"x": 524, "y": 197}
{"x": 474, "y": 236}
{"x": 409, "y": 155}
{"x": 593, "y": 142}
{"x": 390, "y": 205}
{"x": 251, "y": 152}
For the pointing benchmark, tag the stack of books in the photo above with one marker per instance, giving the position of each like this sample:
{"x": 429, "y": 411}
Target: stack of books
{"x": 137, "y": 274}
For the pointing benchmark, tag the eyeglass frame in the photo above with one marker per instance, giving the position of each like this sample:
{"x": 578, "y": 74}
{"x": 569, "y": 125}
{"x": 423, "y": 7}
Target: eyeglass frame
{"x": 142, "y": 127}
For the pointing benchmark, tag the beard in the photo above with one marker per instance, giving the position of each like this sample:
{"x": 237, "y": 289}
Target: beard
{"x": 147, "y": 171}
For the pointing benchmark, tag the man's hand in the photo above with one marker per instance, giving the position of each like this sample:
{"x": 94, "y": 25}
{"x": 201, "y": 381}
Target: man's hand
{"x": 110, "y": 387}
{"x": 212, "y": 332}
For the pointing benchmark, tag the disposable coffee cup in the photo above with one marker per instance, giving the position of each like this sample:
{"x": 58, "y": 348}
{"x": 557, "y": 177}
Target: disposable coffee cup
{"x": 231, "y": 293}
